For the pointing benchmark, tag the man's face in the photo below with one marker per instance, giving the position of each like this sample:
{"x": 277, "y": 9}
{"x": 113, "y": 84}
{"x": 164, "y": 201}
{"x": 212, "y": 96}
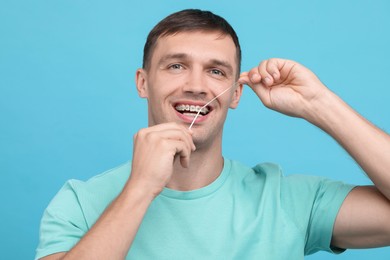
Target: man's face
{"x": 186, "y": 71}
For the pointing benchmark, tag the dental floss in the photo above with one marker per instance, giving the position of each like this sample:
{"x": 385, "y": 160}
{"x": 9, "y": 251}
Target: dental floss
{"x": 220, "y": 94}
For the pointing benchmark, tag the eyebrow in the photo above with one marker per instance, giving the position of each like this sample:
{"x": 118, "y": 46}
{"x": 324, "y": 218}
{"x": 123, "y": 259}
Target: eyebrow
{"x": 222, "y": 63}
{"x": 172, "y": 56}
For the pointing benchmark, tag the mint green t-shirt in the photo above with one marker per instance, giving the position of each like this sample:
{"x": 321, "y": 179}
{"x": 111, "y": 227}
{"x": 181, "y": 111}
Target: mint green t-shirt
{"x": 246, "y": 213}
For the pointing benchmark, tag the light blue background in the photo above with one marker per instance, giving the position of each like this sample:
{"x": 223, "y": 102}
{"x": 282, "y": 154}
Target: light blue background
{"x": 69, "y": 109}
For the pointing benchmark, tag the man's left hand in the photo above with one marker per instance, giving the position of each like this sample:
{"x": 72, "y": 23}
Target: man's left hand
{"x": 285, "y": 86}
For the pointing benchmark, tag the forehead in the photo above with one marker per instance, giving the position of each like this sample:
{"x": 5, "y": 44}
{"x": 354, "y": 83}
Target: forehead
{"x": 198, "y": 45}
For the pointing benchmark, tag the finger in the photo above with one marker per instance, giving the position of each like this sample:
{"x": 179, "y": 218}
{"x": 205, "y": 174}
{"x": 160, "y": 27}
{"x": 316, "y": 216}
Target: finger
{"x": 266, "y": 77}
{"x": 254, "y": 76}
{"x": 187, "y": 137}
{"x": 176, "y": 135}
{"x": 244, "y": 78}
{"x": 185, "y": 161}
{"x": 169, "y": 131}
{"x": 180, "y": 149}
{"x": 187, "y": 134}
{"x": 273, "y": 68}
{"x": 263, "y": 92}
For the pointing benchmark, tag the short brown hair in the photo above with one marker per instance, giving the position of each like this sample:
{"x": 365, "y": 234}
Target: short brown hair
{"x": 186, "y": 21}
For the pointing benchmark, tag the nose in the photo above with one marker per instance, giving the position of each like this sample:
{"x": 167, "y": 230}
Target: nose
{"x": 196, "y": 83}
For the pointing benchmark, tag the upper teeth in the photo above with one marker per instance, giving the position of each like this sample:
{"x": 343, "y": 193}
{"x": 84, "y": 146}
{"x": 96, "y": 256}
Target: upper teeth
{"x": 192, "y": 108}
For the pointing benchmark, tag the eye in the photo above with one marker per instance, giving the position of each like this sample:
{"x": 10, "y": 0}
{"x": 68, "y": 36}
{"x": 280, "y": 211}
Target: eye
{"x": 217, "y": 72}
{"x": 175, "y": 66}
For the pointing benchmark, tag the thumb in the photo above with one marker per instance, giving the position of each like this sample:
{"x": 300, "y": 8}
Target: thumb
{"x": 262, "y": 91}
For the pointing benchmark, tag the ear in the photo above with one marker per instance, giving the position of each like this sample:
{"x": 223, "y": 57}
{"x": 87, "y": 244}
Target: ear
{"x": 236, "y": 96}
{"x": 141, "y": 83}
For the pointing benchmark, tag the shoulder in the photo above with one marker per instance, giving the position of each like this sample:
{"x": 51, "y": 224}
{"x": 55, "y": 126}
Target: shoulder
{"x": 115, "y": 177}
{"x": 297, "y": 182}
{"x": 98, "y": 191}
{"x": 271, "y": 178}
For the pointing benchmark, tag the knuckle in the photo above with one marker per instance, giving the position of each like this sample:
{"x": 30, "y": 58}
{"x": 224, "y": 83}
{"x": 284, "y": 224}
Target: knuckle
{"x": 164, "y": 143}
{"x": 152, "y": 137}
{"x": 141, "y": 132}
{"x": 273, "y": 61}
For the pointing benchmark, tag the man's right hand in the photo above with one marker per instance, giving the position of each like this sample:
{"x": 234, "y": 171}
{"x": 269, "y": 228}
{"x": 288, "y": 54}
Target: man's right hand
{"x": 156, "y": 149}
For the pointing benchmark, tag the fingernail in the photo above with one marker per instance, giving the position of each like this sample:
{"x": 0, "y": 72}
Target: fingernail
{"x": 267, "y": 80}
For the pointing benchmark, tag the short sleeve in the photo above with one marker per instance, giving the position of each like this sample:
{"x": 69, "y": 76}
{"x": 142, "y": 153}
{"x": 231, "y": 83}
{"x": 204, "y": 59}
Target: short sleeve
{"x": 63, "y": 223}
{"x": 327, "y": 201}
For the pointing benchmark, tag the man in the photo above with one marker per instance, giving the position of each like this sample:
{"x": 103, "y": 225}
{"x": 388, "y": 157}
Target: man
{"x": 180, "y": 199}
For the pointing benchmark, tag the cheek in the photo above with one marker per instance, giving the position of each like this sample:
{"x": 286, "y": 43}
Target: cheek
{"x": 227, "y": 101}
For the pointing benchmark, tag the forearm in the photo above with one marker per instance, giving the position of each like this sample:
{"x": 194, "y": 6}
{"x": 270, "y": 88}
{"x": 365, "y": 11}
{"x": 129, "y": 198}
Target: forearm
{"x": 367, "y": 144}
{"x": 112, "y": 235}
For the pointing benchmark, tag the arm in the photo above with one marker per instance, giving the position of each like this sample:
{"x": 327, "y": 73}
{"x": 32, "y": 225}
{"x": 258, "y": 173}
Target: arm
{"x": 292, "y": 89}
{"x": 112, "y": 235}
{"x": 363, "y": 220}
{"x": 367, "y": 144}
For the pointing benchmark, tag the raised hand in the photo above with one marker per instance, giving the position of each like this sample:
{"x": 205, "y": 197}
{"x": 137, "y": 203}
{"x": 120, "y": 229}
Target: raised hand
{"x": 285, "y": 86}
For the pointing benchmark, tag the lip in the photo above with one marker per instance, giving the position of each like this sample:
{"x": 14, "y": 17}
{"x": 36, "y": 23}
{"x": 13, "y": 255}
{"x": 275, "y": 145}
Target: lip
{"x": 189, "y": 119}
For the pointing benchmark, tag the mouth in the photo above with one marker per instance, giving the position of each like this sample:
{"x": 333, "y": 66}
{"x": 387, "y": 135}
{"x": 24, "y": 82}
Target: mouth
{"x": 192, "y": 110}
{"x": 187, "y": 111}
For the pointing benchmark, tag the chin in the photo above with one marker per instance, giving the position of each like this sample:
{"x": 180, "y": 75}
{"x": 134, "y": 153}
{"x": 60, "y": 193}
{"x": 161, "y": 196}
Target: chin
{"x": 205, "y": 139}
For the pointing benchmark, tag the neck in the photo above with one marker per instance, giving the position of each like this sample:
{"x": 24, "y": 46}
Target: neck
{"x": 205, "y": 166}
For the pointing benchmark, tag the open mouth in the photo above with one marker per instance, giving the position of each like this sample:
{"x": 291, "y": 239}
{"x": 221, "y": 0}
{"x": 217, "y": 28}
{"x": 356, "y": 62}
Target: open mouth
{"x": 192, "y": 110}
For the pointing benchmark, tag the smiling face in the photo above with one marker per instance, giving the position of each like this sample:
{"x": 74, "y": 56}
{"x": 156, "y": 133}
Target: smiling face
{"x": 186, "y": 71}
